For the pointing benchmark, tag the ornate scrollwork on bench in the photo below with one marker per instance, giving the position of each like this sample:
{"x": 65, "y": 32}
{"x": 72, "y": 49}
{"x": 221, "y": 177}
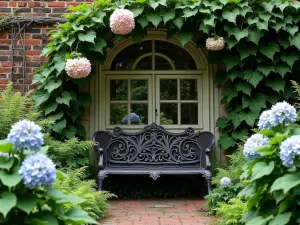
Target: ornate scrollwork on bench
{"x": 154, "y": 151}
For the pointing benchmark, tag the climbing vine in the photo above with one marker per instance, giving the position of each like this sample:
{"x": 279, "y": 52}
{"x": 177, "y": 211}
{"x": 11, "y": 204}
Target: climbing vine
{"x": 262, "y": 43}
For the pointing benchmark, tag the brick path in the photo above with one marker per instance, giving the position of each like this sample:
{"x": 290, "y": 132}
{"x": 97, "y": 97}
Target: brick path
{"x": 156, "y": 212}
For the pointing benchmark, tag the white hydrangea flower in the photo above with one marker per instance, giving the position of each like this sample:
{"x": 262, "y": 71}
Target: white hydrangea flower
{"x": 256, "y": 140}
{"x": 122, "y": 21}
{"x": 215, "y": 43}
{"x": 225, "y": 182}
{"x": 78, "y": 68}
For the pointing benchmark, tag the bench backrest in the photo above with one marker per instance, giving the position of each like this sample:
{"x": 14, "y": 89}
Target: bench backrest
{"x": 154, "y": 147}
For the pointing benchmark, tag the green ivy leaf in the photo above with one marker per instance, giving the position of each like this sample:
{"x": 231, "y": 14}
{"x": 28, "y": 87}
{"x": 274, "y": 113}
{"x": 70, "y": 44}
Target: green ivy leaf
{"x": 255, "y": 35}
{"x": 249, "y": 118}
{"x": 99, "y": 45}
{"x": 249, "y": 190}
{"x": 143, "y": 21}
{"x": 70, "y": 41}
{"x": 253, "y": 77}
{"x": 278, "y": 25}
{"x": 255, "y": 103}
{"x": 224, "y": 2}
{"x": 50, "y": 107}
{"x": 40, "y": 97}
{"x": 52, "y": 85}
{"x": 286, "y": 182}
{"x": 290, "y": 57}
{"x": 185, "y": 37}
{"x": 246, "y": 50}
{"x": 269, "y": 6}
{"x": 230, "y": 61}
{"x": 284, "y": 42}
{"x": 226, "y": 142}
{"x": 88, "y": 37}
{"x": 70, "y": 131}
{"x": 209, "y": 21}
{"x": 277, "y": 84}
{"x": 138, "y": 10}
{"x": 282, "y": 6}
{"x": 281, "y": 219}
{"x": 8, "y": 200}
{"x": 266, "y": 68}
{"x": 234, "y": 118}
{"x": 239, "y": 34}
{"x": 230, "y": 42}
{"x": 244, "y": 87}
{"x": 167, "y": 16}
{"x": 10, "y": 179}
{"x": 189, "y": 13}
{"x": 295, "y": 41}
{"x": 229, "y": 93}
{"x": 293, "y": 30}
{"x": 154, "y": 19}
{"x": 222, "y": 122}
{"x": 240, "y": 134}
{"x": 59, "y": 126}
{"x": 178, "y": 22}
{"x": 262, "y": 169}
{"x": 283, "y": 69}
{"x": 269, "y": 49}
{"x": 56, "y": 116}
{"x": 27, "y": 203}
{"x": 233, "y": 74}
{"x": 231, "y": 15}
{"x": 65, "y": 99}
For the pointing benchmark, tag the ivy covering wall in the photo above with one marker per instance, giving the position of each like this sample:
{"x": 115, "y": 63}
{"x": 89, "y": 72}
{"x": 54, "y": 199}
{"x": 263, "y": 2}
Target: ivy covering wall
{"x": 262, "y": 43}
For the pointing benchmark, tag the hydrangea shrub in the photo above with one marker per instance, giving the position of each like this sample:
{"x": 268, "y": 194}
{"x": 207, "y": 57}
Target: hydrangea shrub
{"x": 272, "y": 172}
{"x": 26, "y": 176}
{"x": 134, "y": 119}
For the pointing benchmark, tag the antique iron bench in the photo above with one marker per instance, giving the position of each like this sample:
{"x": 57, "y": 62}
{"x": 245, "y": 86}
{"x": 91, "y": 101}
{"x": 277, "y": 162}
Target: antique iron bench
{"x": 154, "y": 151}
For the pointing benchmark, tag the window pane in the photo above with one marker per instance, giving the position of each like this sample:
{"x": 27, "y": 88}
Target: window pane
{"x": 126, "y": 58}
{"x": 117, "y": 113}
{"x": 168, "y": 89}
{"x": 181, "y": 58}
{"x": 189, "y": 113}
{"x": 168, "y": 114}
{"x": 118, "y": 90}
{"x": 141, "y": 110}
{"x": 139, "y": 89}
{"x": 188, "y": 89}
{"x": 162, "y": 64}
{"x": 144, "y": 64}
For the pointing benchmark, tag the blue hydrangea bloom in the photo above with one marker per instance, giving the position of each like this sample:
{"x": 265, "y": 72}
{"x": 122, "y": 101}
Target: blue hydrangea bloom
{"x": 284, "y": 112}
{"x": 37, "y": 170}
{"x": 225, "y": 182}
{"x": 256, "y": 140}
{"x": 266, "y": 120}
{"x": 26, "y": 135}
{"x": 289, "y": 149}
{"x": 134, "y": 118}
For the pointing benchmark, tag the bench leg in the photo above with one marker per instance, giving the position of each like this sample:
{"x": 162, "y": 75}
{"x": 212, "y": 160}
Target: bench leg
{"x": 101, "y": 177}
{"x": 207, "y": 175}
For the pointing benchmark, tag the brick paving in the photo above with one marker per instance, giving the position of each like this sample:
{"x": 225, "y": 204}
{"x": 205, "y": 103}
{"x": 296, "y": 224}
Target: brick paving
{"x": 157, "y": 212}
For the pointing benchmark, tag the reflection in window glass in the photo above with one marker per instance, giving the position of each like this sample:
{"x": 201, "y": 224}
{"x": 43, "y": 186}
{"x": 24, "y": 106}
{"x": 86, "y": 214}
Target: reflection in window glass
{"x": 162, "y": 64}
{"x": 118, "y": 89}
{"x": 188, "y": 89}
{"x": 168, "y": 114}
{"x": 117, "y": 113}
{"x": 139, "y": 89}
{"x": 181, "y": 58}
{"x": 126, "y": 58}
{"x": 168, "y": 89}
{"x": 144, "y": 64}
{"x": 189, "y": 113}
{"x": 141, "y": 110}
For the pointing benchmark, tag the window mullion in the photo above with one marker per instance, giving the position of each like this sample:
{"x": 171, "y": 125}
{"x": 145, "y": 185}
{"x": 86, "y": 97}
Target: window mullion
{"x": 179, "y": 105}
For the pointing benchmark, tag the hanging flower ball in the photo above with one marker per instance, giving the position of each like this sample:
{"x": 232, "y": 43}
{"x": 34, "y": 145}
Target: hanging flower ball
{"x": 215, "y": 43}
{"x": 122, "y": 21}
{"x": 78, "y": 68}
{"x": 225, "y": 182}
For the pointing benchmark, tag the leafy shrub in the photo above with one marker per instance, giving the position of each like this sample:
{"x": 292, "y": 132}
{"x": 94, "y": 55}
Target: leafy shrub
{"x": 96, "y": 202}
{"x": 273, "y": 177}
{"x": 231, "y": 212}
{"x": 25, "y": 175}
{"x": 223, "y": 195}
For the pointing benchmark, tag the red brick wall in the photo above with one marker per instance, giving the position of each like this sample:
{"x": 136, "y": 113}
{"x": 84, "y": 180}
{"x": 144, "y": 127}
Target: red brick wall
{"x": 35, "y": 38}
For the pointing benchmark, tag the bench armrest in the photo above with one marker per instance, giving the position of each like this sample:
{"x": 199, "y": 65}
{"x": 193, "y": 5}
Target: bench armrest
{"x": 100, "y": 152}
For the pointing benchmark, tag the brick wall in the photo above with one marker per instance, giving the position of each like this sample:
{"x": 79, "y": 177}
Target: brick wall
{"x": 35, "y": 38}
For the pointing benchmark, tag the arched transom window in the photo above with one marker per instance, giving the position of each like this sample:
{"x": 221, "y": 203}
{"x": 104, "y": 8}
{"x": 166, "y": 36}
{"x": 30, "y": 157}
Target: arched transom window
{"x": 154, "y": 81}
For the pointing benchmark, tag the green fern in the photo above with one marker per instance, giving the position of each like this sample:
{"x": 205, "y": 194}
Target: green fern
{"x": 231, "y": 213}
{"x": 96, "y": 202}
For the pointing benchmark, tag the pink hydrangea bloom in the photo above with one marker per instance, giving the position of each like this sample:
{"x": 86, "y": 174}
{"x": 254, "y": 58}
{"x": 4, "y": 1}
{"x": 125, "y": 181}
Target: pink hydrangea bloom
{"x": 215, "y": 44}
{"x": 122, "y": 21}
{"x": 78, "y": 68}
